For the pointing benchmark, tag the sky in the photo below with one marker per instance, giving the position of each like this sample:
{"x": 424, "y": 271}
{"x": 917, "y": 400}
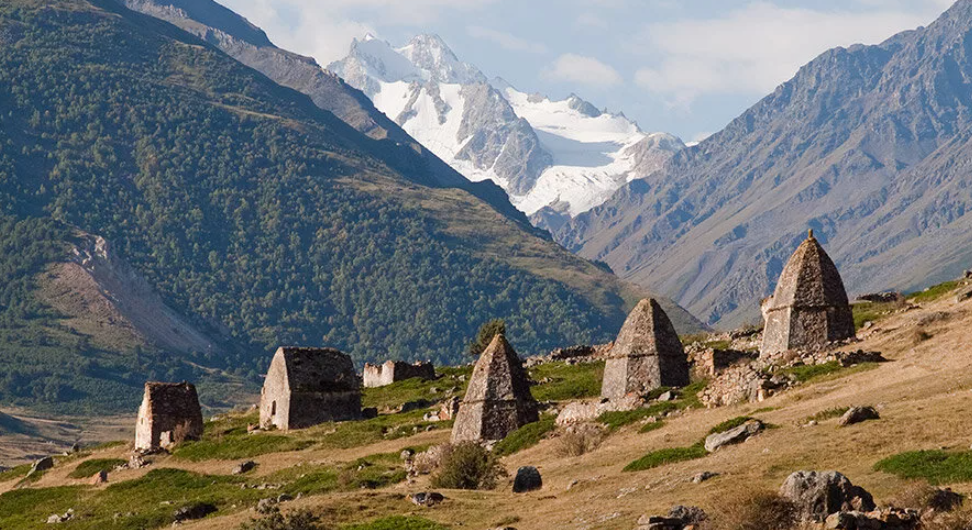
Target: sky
{"x": 687, "y": 67}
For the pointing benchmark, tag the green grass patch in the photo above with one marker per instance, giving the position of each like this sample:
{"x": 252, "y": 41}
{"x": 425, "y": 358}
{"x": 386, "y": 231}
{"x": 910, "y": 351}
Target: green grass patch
{"x": 667, "y": 456}
{"x": 934, "y": 293}
{"x": 827, "y": 414}
{"x": 14, "y": 473}
{"x": 649, "y": 427}
{"x": 937, "y": 467}
{"x": 360, "y": 433}
{"x": 236, "y": 447}
{"x": 90, "y": 468}
{"x": 873, "y": 311}
{"x": 618, "y": 419}
{"x": 397, "y": 523}
{"x": 729, "y": 424}
{"x": 764, "y": 409}
{"x": 567, "y": 382}
{"x": 689, "y": 396}
{"x": 525, "y": 437}
{"x": 829, "y": 370}
{"x": 415, "y": 389}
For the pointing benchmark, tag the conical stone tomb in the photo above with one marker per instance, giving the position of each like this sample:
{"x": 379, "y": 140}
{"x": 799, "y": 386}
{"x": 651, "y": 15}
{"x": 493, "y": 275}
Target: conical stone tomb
{"x": 498, "y": 400}
{"x": 646, "y": 355}
{"x": 809, "y": 308}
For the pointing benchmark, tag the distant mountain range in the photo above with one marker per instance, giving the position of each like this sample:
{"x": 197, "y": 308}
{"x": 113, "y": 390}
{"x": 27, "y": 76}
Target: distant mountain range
{"x": 870, "y": 146}
{"x": 556, "y": 159}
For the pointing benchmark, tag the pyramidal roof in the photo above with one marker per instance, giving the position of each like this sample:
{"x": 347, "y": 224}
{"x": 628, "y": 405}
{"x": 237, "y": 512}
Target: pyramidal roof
{"x": 810, "y": 279}
{"x": 498, "y": 374}
{"x": 648, "y": 331}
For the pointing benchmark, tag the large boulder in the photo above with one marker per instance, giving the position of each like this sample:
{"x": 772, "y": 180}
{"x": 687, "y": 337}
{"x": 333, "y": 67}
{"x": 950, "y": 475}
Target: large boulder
{"x": 818, "y": 495}
{"x": 733, "y": 436}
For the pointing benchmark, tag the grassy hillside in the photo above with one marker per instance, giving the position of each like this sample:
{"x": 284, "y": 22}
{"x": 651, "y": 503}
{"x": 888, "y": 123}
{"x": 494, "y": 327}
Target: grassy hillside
{"x": 349, "y": 474}
{"x": 261, "y": 218}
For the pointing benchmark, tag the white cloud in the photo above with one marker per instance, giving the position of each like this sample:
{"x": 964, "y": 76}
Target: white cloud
{"x": 582, "y": 70}
{"x": 324, "y": 29}
{"x": 753, "y": 49}
{"x": 505, "y": 40}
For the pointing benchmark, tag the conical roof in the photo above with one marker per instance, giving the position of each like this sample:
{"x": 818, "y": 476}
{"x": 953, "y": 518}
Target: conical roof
{"x": 647, "y": 332}
{"x": 810, "y": 279}
{"x": 498, "y": 374}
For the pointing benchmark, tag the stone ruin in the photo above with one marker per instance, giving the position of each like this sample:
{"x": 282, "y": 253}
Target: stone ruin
{"x": 169, "y": 414}
{"x": 309, "y": 386}
{"x": 392, "y": 371}
{"x": 809, "y": 309}
{"x": 646, "y": 355}
{"x": 498, "y": 400}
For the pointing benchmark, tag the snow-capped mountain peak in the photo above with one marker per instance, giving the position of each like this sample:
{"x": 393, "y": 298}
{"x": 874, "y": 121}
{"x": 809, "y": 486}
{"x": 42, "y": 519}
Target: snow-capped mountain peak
{"x": 431, "y": 54}
{"x": 561, "y": 156}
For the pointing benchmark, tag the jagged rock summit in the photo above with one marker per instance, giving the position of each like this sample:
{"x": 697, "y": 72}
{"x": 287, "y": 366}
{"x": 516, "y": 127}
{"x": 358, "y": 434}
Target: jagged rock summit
{"x": 498, "y": 400}
{"x": 809, "y": 308}
{"x": 646, "y": 355}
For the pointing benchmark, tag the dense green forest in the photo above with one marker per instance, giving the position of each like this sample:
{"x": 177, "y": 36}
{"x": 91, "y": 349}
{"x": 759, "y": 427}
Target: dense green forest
{"x": 263, "y": 219}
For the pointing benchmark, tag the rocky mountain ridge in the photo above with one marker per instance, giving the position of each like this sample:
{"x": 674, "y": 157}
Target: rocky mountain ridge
{"x": 867, "y": 145}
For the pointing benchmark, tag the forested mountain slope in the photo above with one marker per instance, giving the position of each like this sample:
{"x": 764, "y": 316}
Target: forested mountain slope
{"x": 868, "y": 145}
{"x": 248, "y": 210}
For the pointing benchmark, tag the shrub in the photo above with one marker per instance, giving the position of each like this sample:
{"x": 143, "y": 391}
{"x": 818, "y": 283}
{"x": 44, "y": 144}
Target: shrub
{"x": 667, "y": 456}
{"x": 525, "y": 437}
{"x": 486, "y": 334}
{"x": 467, "y": 466}
{"x": 761, "y": 510}
{"x": 298, "y": 520}
{"x": 580, "y": 439}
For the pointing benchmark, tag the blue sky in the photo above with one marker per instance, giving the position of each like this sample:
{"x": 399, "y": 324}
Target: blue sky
{"x": 682, "y": 66}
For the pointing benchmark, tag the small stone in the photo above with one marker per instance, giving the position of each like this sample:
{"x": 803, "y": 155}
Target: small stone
{"x": 858, "y": 415}
{"x": 667, "y": 396}
{"x": 704, "y": 476}
{"x": 99, "y": 478}
{"x": 427, "y": 499}
{"x": 265, "y": 506}
{"x": 244, "y": 467}
{"x": 527, "y": 479}
{"x": 193, "y": 511}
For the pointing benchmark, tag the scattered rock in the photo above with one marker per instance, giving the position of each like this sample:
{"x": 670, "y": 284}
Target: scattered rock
{"x": 244, "y": 467}
{"x": 659, "y": 523}
{"x": 881, "y": 298}
{"x": 369, "y": 413}
{"x": 890, "y": 519}
{"x": 667, "y": 396}
{"x": 527, "y": 479}
{"x": 963, "y": 295}
{"x": 137, "y": 461}
{"x": 99, "y": 478}
{"x": 733, "y": 436}
{"x": 265, "y": 506}
{"x": 193, "y": 511}
{"x": 427, "y": 499}
{"x": 410, "y": 406}
{"x": 704, "y": 476}
{"x": 689, "y": 515}
{"x": 858, "y": 415}
{"x": 63, "y": 518}
{"x": 818, "y": 495}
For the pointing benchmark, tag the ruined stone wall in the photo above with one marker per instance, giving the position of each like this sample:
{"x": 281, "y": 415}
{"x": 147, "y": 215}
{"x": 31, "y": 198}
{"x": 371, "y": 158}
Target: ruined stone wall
{"x": 313, "y": 408}
{"x": 169, "y": 414}
{"x": 392, "y": 371}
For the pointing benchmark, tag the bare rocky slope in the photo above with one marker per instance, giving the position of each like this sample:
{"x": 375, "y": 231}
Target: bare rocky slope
{"x": 867, "y": 145}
